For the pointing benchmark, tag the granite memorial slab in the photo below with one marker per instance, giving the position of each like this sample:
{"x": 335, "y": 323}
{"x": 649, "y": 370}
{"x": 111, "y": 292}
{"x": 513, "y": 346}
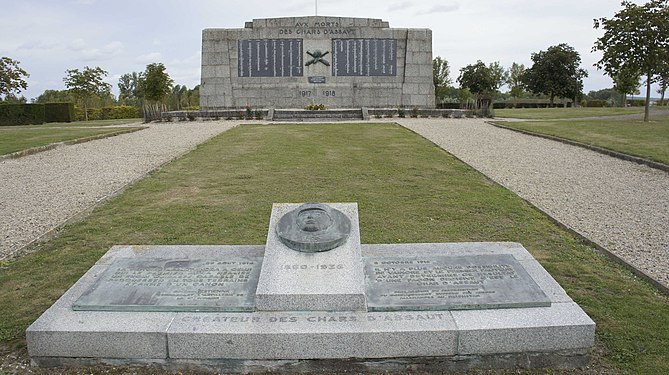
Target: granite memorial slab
{"x": 295, "y": 307}
{"x": 450, "y": 283}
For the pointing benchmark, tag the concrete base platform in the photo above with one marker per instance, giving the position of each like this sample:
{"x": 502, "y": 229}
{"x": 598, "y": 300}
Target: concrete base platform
{"x": 556, "y": 336}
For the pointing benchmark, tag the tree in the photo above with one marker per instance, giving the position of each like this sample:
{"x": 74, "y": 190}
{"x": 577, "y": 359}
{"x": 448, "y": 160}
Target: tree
{"x": 515, "y": 81}
{"x": 556, "y": 72}
{"x": 55, "y": 96}
{"x": 12, "y": 77}
{"x": 482, "y": 81}
{"x": 636, "y": 39}
{"x": 664, "y": 82}
{"x": 440, "y": 72}
{"x": 626, "y": 82}
{"x": 155, "y": 85}
{"x": 129, "y": 86}
{"x": 86, "y": 84}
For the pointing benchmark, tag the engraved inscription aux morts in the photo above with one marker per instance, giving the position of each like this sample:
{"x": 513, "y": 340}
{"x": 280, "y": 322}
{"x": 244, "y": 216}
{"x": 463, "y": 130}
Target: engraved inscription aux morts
{"x": 154, "y": 284}
{"x": 450, "y": 283}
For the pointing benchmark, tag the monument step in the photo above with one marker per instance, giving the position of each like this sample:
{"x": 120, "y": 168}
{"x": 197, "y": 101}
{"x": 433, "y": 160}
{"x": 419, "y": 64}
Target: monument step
{"x": 309, "y": 115}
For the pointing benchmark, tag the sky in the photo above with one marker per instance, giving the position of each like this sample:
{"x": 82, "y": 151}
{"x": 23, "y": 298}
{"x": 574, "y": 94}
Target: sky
{"x": 123, "y": 36}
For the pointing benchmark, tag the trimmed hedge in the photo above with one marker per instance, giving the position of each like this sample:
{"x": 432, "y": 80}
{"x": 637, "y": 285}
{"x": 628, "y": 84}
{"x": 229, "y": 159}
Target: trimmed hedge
{"x": 109, "y": 113}
{"x": 21, "y": 114}
{"x": 637, "y": 103}
{"x": 594, "y": 103}
{"x": 58, "y": 112}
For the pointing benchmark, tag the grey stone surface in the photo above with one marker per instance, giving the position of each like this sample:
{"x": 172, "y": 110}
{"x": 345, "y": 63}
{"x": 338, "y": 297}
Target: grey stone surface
{"x": 557, "y": 336}
{"x": 62, "y": 332}
{"x": 450, "y": 283}
{"x": 561, "y": 326}
{"x": 327, "y": 281}
{"x": 367, "y": 64}
{"x": 313, "y": 227}
{"x": 300, "y": 335}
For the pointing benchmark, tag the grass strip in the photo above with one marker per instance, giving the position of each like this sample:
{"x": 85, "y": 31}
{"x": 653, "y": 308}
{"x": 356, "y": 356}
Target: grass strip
{"x": 648, "y": 140}
{"x": 14, "y": 139}
{"x": 408, "y": 190}
{"x": 565, "y": 113}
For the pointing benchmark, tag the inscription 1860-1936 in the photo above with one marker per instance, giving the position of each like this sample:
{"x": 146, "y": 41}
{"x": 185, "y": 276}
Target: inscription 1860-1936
{"x": 430, "y": 283}
{"x": 152, "y": 284}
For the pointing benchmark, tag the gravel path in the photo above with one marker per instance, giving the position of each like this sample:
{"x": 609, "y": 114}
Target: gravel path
{"x": 620, "y": 205}
{"x": 42, "y": 191}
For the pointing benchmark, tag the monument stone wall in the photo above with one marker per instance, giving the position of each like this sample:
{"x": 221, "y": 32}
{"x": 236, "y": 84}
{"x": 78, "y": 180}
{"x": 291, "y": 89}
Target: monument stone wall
{"x": 296, "y": 61}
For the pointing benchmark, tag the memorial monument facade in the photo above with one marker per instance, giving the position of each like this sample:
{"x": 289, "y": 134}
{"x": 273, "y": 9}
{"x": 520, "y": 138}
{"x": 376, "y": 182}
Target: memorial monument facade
{"x": 297, "y": 61}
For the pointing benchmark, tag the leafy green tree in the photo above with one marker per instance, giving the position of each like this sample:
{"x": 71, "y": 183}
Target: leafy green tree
{"x": 55, "y": 96}
{"x": 129, "y": 86}
{"x": 86, "y": 84}
{"x": 664, "y": 82}
{"x": 482, "y": 81}
{"x": 440, "y": 75}
{"x": 626, "y": 82}
{"x": 515, "y": 80}
{"x": 156, "y": 83}
{"x": 556, "y": 72}
{"x": 12, "y": 77}
{"x": 155, "y": 86}
{"x": 636, "y": 39}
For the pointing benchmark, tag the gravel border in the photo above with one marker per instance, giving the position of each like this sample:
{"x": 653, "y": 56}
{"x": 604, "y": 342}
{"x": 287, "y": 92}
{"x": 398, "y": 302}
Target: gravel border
{"x": 620, "y": 206}
{"x": 41, "y": 192}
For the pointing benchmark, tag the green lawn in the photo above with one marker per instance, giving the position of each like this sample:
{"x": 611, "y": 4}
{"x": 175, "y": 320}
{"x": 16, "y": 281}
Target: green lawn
{"x": 563, "y": 113}
{"x": 634, "y": 137}
{"x": 17, "y": 138}
{"x": 407, "y": 189}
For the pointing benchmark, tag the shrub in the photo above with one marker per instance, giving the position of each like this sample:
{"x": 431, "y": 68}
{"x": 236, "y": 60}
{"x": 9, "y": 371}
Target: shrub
{"x": 58, "y": 112}
{"x": 594, "y": 103}
{"x": 414, "y": 112}
{"x": 316, "y": 107}
{"x": 449, "y": 106}
{"x": 191, "y": 108}
{"x": 637, "y": 103}
{"x": 119, "y": 112}
{"x": 21, "y": 114}
{"x": 400, "y": 112}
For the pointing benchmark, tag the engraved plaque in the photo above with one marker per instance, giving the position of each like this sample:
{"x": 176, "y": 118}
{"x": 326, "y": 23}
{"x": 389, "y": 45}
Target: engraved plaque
{"x": 317, "y": 79}
{"x": 450, "y": 283}
{"x": 224, "y": 283}
{"x": 364, "y": 57}
{"x": 270, "y": 58}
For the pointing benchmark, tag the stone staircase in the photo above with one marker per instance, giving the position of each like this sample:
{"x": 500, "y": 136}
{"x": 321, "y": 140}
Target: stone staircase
{"x": 302, "y": 115}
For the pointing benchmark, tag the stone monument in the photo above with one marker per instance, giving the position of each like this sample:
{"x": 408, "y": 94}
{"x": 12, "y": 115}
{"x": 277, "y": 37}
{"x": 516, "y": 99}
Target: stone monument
{"x": 314, "y": 299}
{"x": 336, "y": 61}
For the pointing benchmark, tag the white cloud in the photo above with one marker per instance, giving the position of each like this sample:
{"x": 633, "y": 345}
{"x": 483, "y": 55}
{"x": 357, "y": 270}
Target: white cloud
{"x": 400, "y": 6}
{"x": 105, "y": 53}
{"x": 151, "y": 57}
{"x": 442, "y": 8}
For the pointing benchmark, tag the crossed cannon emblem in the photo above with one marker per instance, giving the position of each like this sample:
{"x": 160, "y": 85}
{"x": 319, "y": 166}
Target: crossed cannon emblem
{"x": 317, "y": 56}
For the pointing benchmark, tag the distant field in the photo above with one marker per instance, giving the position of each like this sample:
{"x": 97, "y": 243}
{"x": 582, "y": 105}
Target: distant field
{"x": 634, "y": 137}
{"x": 561, "y": 113}
{"x": 18, "y": 138}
